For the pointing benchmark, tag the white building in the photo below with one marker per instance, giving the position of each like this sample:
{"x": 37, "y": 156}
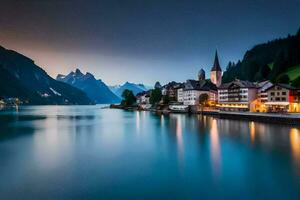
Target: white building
{"x": 262, "y": 94}
{"x": 193, "y": 89}
{"x": 143, "y": 98}
{"x": 282, "y": 98}
{"x": 236, "y": 95}
{"x": 180, "y": 94}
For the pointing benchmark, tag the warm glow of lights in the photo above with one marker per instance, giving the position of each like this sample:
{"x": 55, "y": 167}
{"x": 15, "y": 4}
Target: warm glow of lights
{"x": 179, "y": 139}
{"x": 232, "y": 105}
{"x": 252, "y": 132}
{"x": 179, "y": 133}
{"x": 215, "y": 148}
{"x": 295, "y": 144}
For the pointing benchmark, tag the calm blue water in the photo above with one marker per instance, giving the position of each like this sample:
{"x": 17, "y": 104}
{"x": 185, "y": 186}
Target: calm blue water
{"x": 85, "y": 152}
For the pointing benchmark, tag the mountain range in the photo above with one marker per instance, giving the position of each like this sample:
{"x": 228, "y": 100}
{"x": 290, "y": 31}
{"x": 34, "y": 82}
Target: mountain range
{"x": 95, "y": 89}
{"x": 21, "y": 78}
{"x": 135, "y": 88}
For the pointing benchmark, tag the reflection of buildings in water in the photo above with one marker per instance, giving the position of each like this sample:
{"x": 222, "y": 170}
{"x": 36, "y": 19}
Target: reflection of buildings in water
{"x": 144, "y": 113}
{"x": 137, "y": 121}
{"x": 52, "y": 145}
{"x": 215, "y": 148}
{"x": 162, "y": 120}
{"x": 177, "y": 121}
{"x": 295, "y": 145}
{"x": 179, "y": 133}
{"x": 252, "y": 132}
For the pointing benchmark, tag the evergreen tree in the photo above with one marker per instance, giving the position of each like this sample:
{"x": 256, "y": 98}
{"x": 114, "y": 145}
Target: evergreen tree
{"x": 296, "y": 82}
{"x": 155, "y": 96}
{"x": 278, "y": 67}
{"x": 283, "y": 79}
{"x": 166, "y": 99}
{"x": 128, "y": 98}
{"x": 282, "y": 53}
{"x": 229, "y": 65}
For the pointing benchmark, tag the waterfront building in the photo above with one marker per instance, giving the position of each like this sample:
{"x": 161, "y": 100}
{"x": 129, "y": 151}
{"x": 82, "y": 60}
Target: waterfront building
{"x": 171, "y": 90}
{"x": 283, "y": 98}
{"x": 258, "y": 105}
{"x": 143, "y": 98}
{"x": 236, "y": 95}
{"x": 193, "y": 89}
{"x": 180, "y": 94}
{"x": 216, "y": 72}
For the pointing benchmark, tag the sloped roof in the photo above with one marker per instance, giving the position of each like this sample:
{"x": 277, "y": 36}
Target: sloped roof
{"x": 240, "y": 83}
{"x": 172, "y": 84}
{"x": 216, "y": 66}
{"x": 286, "y": 86}
{"x": 202, "y": 85}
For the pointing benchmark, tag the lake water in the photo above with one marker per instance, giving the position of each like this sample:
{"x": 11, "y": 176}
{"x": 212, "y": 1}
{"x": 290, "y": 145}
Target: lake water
{"x": 86, "y": 152}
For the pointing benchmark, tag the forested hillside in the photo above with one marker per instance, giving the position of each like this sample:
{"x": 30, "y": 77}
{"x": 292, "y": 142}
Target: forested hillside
{"x": 277, "y": 60}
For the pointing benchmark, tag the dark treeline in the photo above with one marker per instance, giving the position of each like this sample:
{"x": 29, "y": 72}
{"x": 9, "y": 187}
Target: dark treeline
{"x": 270, "y": 61}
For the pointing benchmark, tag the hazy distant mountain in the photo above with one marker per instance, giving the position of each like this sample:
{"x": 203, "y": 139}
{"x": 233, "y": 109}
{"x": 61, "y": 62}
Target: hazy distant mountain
{"x": 114, "y": 88}
{"x": 135, "y": 88}
{"x": 95, "y": 89}
{"x": 21, "y": 78}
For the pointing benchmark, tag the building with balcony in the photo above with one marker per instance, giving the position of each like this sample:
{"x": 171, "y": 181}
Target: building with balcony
{"x": 258, "y": 105}
{"x": 282, "y": 98}
{"x": 236, "y": 95}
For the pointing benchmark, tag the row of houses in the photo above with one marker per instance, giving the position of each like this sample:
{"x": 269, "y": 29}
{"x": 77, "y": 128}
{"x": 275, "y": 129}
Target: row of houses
{"x": 258, "y": 97}
{"x": 238, "y": 95}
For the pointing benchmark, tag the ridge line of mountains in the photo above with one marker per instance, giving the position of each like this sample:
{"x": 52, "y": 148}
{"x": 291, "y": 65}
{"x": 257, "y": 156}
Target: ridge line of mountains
{"x": 97, "y": 90}
{"x": 277, "y": 60}
{"x": 21, "y": 78}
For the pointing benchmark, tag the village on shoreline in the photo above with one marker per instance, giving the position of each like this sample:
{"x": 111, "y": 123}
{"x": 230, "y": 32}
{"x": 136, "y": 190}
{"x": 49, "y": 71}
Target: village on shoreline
{"x": 210, "y": 96}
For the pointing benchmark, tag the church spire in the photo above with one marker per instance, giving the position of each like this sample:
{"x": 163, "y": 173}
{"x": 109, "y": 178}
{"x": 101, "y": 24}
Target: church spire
{"x": 216, "y": 66}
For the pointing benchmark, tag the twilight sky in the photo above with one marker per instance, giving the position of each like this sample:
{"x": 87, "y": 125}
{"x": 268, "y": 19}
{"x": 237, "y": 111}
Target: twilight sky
{"x": 141, "y": 40}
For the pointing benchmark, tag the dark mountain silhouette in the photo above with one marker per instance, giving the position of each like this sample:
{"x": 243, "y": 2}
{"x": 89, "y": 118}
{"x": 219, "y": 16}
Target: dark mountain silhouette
{"x": 21, "y": 78}
{"x": 95, "y": 89}
{"x": 277, "y": 60}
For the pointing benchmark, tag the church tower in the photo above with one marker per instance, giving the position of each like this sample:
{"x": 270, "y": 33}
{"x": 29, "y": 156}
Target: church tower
{"x": 216, "y": 72}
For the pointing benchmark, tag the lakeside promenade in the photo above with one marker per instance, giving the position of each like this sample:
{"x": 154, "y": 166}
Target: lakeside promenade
{"x": 288, "y": 118}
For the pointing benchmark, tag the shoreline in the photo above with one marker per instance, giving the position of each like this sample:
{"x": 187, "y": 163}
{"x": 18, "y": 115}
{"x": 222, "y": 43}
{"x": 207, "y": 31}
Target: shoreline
{"x": 287, "y": 119}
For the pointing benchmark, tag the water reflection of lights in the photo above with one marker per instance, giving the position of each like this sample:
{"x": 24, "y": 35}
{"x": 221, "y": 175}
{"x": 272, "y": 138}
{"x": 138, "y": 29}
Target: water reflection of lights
{"x": 52, "y": 144}
{"x": 179, "y": 140}
{"x": 179, "y": 133}
{"x": 252, "y": 132}
{"x": 137, "y": 121}
{"x": 162, "y": 119}
{"x": 295, "y": 144}
{"x": 144, "y": 113}
{"x": 215, "y": 148}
